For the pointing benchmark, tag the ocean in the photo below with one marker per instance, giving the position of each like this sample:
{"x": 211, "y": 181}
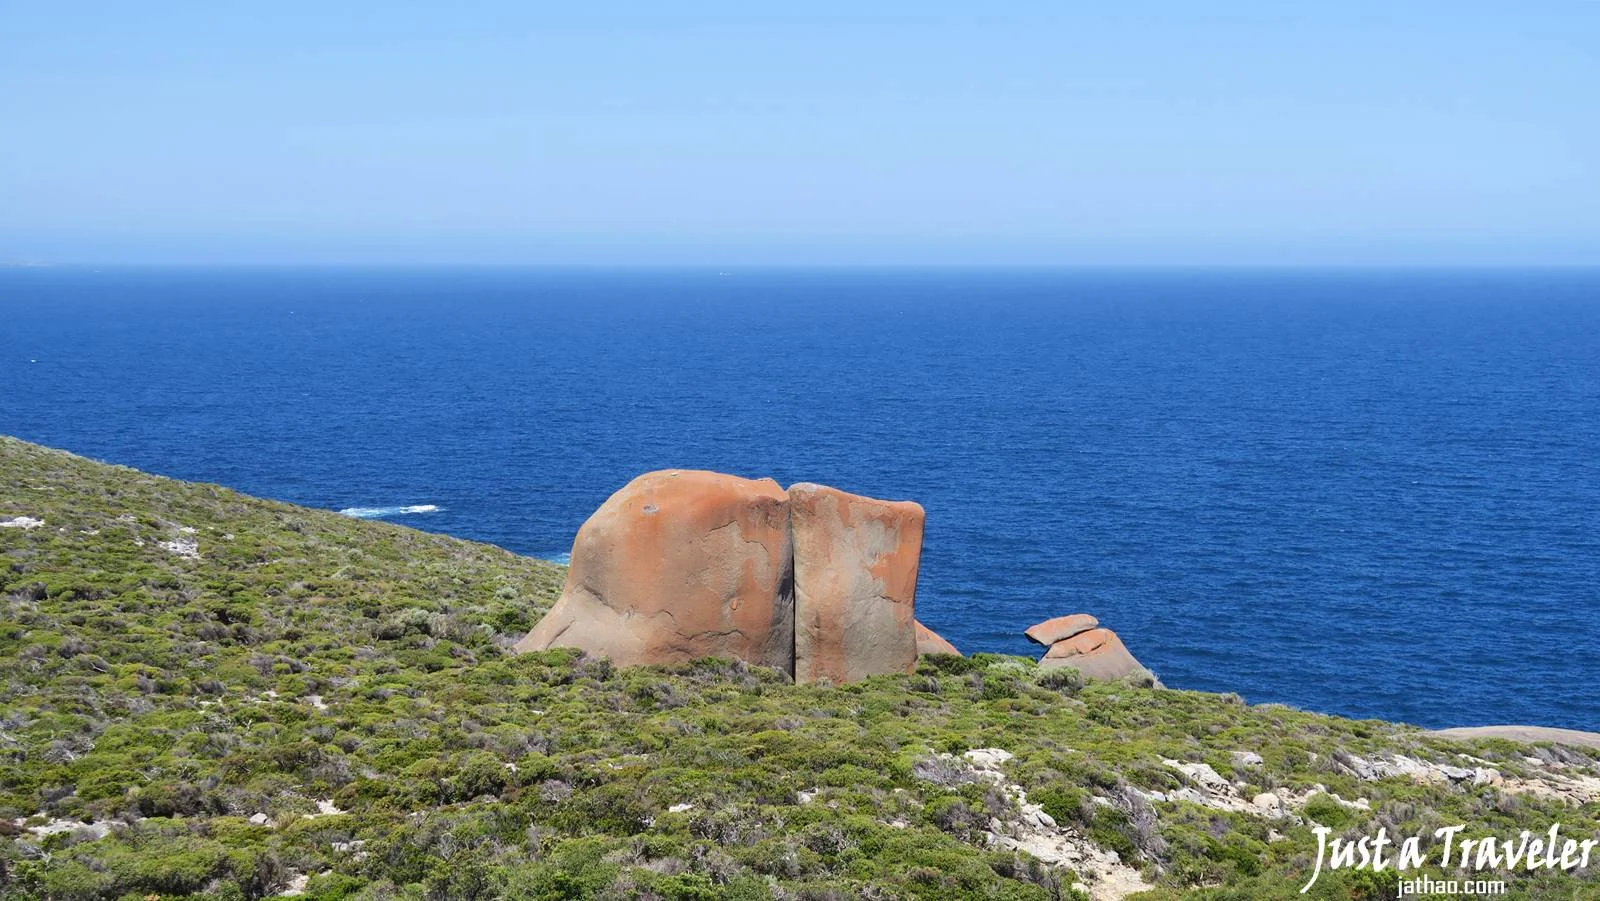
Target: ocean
{"x": 1373, "y": 493}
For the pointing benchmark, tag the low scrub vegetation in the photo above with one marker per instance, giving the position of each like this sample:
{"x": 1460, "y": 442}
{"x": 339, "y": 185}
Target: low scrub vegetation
{"x": 207, "y": 694}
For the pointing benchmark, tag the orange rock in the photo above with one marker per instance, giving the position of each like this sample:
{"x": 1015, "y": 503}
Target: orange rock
{"x": 1097, "y": 654}
{"x": 1061, "y": 628}
{"x": 855, "y": 583}
{"x": 931, "y": 642}
{"x": 1081, "y": 643}
{"x": 680, "y": 564}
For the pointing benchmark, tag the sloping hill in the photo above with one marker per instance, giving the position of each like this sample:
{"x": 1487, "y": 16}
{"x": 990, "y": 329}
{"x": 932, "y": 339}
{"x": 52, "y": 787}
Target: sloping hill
{"x": 209, "y": 693}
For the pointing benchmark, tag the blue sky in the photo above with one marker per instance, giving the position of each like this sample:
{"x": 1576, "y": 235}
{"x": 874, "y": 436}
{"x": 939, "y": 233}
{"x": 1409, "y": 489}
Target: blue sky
{"x": 814, "y": 133}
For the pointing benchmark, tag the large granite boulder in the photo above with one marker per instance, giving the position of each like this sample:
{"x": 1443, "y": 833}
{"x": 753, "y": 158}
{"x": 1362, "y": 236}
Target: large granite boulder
{"x": 1097, "y": 654}
{"x": 855, "y": 583}
{"x": 931, "y": 642}
{"x": 677, "y": 565}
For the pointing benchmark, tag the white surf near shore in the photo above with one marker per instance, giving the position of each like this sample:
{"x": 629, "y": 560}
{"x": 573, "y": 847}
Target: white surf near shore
{"x": 381, "y": 512}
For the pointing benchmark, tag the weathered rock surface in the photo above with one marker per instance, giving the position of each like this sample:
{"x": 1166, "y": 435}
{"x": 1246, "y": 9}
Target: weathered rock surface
{"x": 677, "y": 565}
{"x": 1097, "y": 654}
{"x": 931, "y": 642}
{"x": 1080, "y": 644}
{"x": 1061, "y": 628}
{"x": 855, "y": 584}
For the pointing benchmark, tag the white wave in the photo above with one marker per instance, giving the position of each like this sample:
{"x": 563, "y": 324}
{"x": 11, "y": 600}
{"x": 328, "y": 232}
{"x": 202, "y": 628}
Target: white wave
{"x": 564, "y": 558}
{"x": 380, "y": 512}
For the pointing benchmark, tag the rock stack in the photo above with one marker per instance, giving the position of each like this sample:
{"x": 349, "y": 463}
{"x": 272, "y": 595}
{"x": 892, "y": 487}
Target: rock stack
{"x": 682, "y": 564}
{"x": 1077, "y": 641}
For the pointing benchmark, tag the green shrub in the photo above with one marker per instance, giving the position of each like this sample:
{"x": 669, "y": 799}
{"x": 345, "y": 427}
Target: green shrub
{"x": 1328, "y": 812}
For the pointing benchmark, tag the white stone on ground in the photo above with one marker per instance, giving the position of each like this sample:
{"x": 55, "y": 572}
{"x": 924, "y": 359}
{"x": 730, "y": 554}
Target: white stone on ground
{"x": 93, "y": 831}
{"x": 183, "y": 546}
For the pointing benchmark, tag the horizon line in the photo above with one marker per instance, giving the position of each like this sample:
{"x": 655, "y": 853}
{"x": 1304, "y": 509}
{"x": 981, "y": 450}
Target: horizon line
{"x": 729, "y": 267}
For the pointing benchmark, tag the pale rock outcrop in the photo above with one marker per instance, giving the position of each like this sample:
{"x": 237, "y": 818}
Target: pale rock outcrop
{"x": 931, "y": 642}
{"x": 1205, "y": 787}
{"x": 680, "y": 564}
{"x": 855, "y": 584}
{"x": 1033, "y": 830}
{"x": 1061, "y": 628}
{"x": 1574, "y": 785}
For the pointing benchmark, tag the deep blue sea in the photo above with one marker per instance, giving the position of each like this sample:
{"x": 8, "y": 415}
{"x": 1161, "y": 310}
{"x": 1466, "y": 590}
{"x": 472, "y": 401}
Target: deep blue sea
{"x": 1372, "y": 493}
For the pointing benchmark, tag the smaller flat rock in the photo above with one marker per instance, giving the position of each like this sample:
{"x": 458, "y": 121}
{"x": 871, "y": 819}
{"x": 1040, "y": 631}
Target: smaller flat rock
{"x": 1061, "y": 628}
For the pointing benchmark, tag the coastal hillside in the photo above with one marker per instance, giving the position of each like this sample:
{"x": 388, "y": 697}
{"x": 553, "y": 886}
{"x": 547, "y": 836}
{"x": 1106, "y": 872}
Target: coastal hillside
{"x": 207, "y": 694}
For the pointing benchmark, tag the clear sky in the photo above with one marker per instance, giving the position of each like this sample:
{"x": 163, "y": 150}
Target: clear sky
{"x": 806, "y": 133}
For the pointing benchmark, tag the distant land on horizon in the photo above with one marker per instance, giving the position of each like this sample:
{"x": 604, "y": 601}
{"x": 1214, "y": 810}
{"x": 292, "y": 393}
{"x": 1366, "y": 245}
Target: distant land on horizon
{"x": 734, "y": 268}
